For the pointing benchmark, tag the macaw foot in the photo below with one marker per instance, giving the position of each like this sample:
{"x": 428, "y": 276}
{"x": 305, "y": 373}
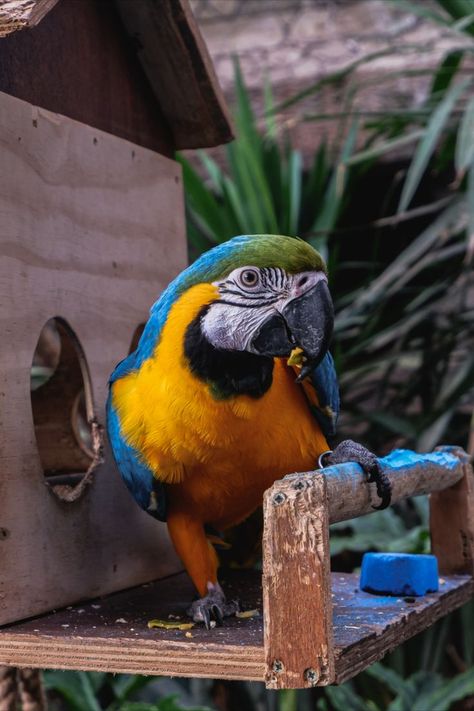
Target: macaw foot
{"x": 213, "y": 606}
{"x": 349, "y": 451}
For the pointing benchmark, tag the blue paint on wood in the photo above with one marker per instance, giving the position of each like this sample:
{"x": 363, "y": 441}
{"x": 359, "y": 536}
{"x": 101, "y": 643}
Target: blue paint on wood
{"x": 402, "y": 460}
{"x": 405, "y": 458}
{"x": 399, "y": 574}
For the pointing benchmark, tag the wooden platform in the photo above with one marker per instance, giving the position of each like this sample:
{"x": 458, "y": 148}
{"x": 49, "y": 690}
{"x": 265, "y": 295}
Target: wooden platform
{"x": 111, "y": 634}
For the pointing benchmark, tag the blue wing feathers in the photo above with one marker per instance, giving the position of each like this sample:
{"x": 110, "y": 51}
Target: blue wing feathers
{"x": 148, "y": 492}
{"x": 324, "y": 381}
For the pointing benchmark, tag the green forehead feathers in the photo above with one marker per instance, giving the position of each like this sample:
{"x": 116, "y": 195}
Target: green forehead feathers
{"x": 289, "y": 253}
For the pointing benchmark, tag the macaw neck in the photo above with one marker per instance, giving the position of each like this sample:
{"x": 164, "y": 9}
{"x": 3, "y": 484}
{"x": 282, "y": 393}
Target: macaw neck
{"x": 228, "y": 373}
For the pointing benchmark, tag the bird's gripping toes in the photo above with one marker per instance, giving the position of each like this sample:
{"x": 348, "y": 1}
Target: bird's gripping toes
{"x": 349, "y": 451}
{"x": 231, "y": 387}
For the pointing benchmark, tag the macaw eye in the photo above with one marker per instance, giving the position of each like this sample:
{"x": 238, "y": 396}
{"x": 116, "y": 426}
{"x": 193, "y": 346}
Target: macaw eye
{"x": 249, "y": 277}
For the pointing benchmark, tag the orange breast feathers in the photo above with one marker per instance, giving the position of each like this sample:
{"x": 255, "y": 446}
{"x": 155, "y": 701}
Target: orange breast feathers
{"x": 220, "y": 454}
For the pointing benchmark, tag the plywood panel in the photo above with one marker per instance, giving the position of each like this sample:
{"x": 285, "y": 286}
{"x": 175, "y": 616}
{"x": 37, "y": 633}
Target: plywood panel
{"x": 92, "y": 229}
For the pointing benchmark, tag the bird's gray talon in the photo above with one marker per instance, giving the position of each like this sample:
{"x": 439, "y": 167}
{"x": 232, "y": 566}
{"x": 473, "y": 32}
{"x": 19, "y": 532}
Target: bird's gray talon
{"x": 349, "y": 451}
{"x": 212, "y": 606}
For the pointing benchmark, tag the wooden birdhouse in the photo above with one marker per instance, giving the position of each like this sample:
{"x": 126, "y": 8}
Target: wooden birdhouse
{"x": 95, "y": 97}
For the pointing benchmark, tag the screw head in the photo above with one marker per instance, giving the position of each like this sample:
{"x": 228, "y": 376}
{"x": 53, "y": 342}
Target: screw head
{"x": 277, "y": 666}
{"x": 311, "y": 676}
{"x": 278, "y": 498}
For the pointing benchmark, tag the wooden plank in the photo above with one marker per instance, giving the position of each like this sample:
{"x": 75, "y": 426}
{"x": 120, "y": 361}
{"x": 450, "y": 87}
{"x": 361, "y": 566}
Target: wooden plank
{"x": 179, "y": 69}
{"x": 452, "y": 523}
{"x": 18, "y": 14}
{"x": 410, "y": 474}
{"x": 92, "y": 231}
{"x": 111, "y": 633}
{"x": 296, "y": 585}
{"x": 366, "y": 627}
{"x": 101, "y": 82}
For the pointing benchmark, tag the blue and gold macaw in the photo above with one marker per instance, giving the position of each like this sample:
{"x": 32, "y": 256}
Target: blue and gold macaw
{"x": 207, "y": 412}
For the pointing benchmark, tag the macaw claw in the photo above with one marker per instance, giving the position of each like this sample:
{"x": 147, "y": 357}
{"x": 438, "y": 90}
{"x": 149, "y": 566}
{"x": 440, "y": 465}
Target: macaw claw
{"x": 349, "y": 451}
{"x": 213, "y": 607}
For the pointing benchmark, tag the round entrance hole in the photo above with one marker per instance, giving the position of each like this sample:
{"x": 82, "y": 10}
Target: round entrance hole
{"x": 67, "y": 435}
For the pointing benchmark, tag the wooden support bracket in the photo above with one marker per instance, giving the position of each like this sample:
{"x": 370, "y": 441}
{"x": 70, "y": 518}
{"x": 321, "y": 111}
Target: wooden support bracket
{"x": 452, "y": 522}
{"x": 297, "y": 606}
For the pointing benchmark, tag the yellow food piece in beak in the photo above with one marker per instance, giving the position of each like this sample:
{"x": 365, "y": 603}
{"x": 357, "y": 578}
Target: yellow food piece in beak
{"x": 296, "y": 357}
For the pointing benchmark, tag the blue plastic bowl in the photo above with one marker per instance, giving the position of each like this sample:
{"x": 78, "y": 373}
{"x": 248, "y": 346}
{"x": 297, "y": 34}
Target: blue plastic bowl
{"x": 399, "y": 574}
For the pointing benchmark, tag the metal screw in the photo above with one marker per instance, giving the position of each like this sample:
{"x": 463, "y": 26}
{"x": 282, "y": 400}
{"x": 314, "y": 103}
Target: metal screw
{"x": 277, "y": 666}
{"x": 311, "y": 676}
{"x": 298, "y": 485}
{"x": 279, "y": 498}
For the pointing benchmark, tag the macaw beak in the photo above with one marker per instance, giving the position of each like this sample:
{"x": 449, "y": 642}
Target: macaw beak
{"x": 306, "y": 321}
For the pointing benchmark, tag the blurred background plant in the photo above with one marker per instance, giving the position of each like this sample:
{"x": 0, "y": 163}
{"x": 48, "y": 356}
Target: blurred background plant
{"x": 399, "y": 240}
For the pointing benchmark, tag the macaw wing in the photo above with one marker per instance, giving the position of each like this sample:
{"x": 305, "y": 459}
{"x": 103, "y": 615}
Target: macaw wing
{"x": 146, "y": 489}
{"x": 322, "y": 391}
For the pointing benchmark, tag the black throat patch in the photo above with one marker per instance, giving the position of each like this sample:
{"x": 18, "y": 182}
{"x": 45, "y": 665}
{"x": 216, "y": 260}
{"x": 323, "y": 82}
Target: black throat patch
{"x": 227, "y": 373}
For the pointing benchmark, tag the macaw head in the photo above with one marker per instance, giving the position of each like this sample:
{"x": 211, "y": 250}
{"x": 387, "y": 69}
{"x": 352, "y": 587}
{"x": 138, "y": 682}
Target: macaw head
{"x": 269, "y": 296}
{"x": 273, "y": 297}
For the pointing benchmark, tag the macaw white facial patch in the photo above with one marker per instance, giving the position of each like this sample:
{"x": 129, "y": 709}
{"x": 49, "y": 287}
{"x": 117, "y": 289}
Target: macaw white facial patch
{"x": 248, "y": 297}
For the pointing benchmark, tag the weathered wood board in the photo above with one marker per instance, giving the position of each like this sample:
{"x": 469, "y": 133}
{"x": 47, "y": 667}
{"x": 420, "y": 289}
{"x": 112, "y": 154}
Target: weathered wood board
{"x": 18, "y": 14}
{"x": 92, "y": 229}
{"x": 111, "y": 634}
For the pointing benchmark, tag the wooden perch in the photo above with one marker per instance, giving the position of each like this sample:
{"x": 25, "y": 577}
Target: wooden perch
{"x": 299, "y": 630}
{"x": 409, "y": 474}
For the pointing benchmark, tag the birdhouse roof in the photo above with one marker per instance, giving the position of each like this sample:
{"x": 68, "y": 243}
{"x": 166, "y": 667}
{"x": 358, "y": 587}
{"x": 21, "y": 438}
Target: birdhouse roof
{"x": 168, "y": 44}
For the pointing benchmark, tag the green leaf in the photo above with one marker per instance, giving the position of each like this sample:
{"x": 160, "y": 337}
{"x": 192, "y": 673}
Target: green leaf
{"x": 295, "y": 170}
{"x": 213, "y": 170}
{"x": 77, "y": 688}
{"x": 244, "y": 116}
{"x": 464, "y": 154}
{"x": 417, "y": 9}
{"x": 470, "y": 213}
{"x": 387, "y": 676}
{"x": 203, "y": 202}
{"x": 344, "y": 697}
{"x": 418, "y": 684}
{"x": 428, "y": 143}
{"x": 384, "y": 148}
{"x": 326, "y": 220}
{"x": 444, "y": 696}
{"x": 170, "y": 703}
{"x": 446, "y": 72}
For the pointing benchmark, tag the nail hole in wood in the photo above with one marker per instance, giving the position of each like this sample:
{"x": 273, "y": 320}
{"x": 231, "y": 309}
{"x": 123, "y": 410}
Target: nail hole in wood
{"x": 66, "y": 430}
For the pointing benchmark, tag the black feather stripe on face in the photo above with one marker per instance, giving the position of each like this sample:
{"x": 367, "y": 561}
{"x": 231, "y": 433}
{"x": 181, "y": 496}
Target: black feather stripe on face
{"x": 228, "y": 373}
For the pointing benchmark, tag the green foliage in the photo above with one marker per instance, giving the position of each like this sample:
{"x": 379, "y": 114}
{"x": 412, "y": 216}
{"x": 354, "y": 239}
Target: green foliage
{"x": 264, "y": 188}
{"x": 94, "y": 691}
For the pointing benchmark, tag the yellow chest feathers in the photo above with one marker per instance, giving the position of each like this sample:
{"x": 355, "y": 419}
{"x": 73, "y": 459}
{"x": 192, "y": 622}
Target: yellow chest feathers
{"x": 170, "y": 416}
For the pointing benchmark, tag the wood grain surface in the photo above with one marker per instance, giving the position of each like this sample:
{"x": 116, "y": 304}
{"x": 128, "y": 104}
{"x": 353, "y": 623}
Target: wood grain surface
{"x": 452, "y": 525}
{"x": 111, "y": 633}
{"x": 92, "y": 231}
{"x": 79, "y": 62}
{"x": 18, "y": 14}
{"x": 297, "y": 585}
{"x": 179, "y": 69}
